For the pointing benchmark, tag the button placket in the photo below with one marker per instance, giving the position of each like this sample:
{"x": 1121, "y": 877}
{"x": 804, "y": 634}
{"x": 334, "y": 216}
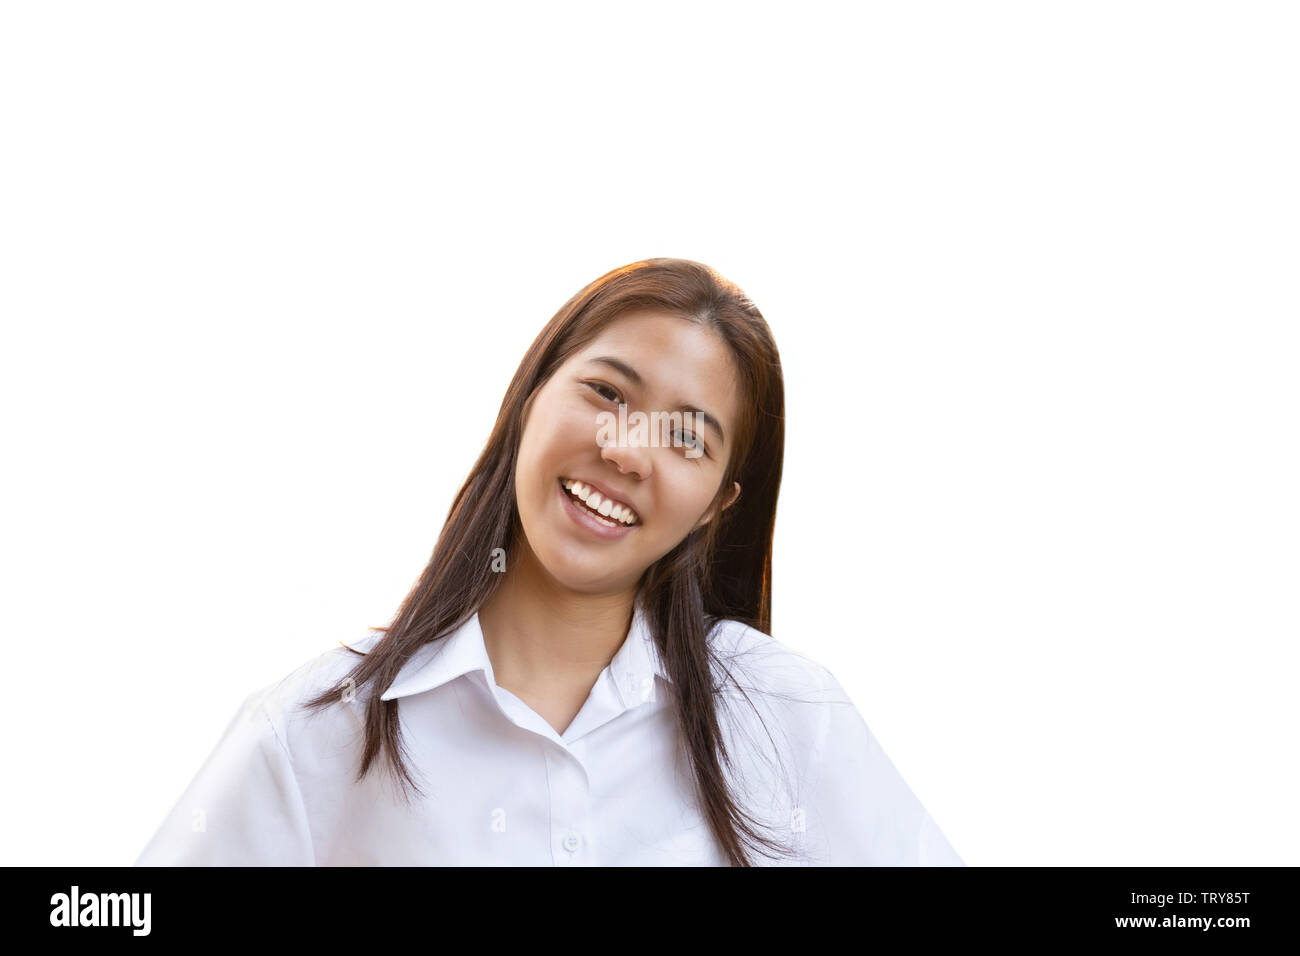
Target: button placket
{"x": 569, "y": 793}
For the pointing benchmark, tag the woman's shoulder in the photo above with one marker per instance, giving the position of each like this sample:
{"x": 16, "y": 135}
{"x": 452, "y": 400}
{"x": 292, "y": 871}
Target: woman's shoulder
{"x": 283, "y": 702}
{"x": 771, "y": 665}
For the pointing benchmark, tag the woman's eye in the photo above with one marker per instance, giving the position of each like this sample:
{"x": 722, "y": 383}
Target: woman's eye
{"x": 690, "y": 441}
{"x": 597, "y": 386}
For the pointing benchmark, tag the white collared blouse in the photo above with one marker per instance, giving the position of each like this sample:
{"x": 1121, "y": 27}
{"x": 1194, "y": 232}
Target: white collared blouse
{"x": 503, "y": 787}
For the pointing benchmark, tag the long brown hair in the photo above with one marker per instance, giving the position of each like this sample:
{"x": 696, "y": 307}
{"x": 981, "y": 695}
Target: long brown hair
{"x": 719, "y": 571}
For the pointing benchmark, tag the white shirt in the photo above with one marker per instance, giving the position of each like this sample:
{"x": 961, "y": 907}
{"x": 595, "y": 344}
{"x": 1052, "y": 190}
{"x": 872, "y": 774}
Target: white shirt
{"x": 503, "y": 787}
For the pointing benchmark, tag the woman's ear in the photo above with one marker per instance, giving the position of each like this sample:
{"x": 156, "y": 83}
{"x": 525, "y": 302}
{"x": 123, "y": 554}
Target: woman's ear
{"x": 734, "y": 495}
{"x": 711, "y": 514}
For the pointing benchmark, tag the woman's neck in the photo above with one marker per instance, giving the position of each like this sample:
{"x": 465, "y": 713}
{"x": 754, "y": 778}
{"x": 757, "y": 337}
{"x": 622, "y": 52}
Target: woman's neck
{"x": 540, "y": 635}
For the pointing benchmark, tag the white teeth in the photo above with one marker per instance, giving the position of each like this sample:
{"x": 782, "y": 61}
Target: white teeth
{"x": 601, "y": 505}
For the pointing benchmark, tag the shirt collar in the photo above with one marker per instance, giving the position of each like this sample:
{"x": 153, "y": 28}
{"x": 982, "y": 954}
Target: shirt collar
{"x": 463, "y": 651}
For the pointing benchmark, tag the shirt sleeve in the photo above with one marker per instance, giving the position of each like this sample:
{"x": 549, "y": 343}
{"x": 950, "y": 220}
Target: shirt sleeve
{"x": 244, "y": 808}
{"x": 859, "y": 810}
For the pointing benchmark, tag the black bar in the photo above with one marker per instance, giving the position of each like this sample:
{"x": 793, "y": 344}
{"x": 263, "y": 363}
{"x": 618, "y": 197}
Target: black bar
{"x": 367, "y": 905}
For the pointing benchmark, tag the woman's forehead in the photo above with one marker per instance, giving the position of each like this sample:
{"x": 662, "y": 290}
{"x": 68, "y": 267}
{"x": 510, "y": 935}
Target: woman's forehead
{"x": 664, "y": 341}
{"x": 667, "y": 354}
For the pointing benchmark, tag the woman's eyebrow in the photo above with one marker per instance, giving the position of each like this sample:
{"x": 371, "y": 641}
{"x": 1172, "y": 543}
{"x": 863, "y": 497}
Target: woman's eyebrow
{"x": 631, "y": 374}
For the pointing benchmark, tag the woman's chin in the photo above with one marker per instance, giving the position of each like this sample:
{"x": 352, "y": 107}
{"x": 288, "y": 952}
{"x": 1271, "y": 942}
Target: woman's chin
{"x": 586, "y": 573}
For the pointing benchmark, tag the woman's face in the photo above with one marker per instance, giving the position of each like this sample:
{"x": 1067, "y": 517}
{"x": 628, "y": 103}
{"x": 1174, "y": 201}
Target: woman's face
{"x": 667, "y": 364}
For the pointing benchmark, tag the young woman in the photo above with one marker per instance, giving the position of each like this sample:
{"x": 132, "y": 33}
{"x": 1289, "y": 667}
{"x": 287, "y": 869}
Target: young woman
{"x": 582, "y": 675}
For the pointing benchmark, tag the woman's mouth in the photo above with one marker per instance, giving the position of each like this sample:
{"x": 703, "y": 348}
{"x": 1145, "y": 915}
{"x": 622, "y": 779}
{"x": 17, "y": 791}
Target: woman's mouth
{"x": 593, "y": 511}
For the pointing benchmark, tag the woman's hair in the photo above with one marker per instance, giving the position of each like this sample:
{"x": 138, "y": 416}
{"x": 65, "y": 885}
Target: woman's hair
{"x": 718, "y": 571}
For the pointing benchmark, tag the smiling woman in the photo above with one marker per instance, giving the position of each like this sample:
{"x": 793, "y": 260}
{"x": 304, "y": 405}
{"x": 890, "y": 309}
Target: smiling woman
{"x": 607, "y": 695}
{"x": 645, "y": 358}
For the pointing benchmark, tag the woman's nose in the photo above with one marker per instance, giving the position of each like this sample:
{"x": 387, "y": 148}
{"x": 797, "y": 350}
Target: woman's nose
{"x": 629, "y": 459}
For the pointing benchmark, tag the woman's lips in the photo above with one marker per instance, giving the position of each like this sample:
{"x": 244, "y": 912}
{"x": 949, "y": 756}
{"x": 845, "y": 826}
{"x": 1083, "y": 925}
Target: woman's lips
{"x": 583, "y": 517}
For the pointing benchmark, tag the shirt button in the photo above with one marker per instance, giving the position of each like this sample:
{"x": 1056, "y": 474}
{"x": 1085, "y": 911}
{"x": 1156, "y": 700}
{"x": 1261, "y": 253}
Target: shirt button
{"x": 571, "y": 841}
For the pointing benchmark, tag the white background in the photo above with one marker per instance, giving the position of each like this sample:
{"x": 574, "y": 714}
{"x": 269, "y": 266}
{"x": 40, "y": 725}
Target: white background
{"x": 1032, "y": 269}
